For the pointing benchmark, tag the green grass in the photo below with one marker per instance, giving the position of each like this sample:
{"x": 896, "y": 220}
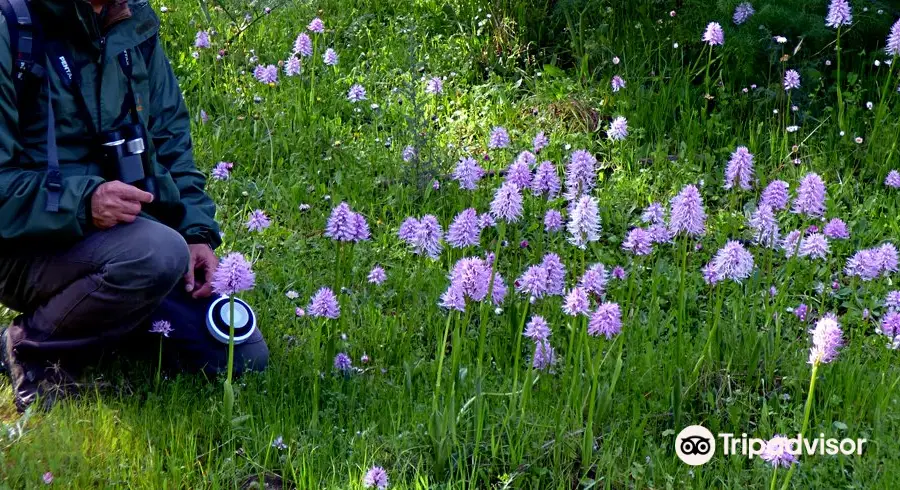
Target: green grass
{"x": 304, "y": 143}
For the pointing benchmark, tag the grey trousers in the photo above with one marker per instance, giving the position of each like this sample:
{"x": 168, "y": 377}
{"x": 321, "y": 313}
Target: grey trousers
{"x": 102, "y": 292}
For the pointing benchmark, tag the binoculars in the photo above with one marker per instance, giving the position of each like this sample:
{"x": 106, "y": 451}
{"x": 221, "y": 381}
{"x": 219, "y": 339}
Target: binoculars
{"x": 125, "y": 151}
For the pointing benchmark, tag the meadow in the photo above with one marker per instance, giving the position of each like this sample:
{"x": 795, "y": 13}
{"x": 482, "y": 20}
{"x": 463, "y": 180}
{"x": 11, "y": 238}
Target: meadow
{"x": 522, "y": 244}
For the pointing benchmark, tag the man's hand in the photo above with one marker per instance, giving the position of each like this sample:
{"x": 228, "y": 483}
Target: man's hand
{"x": 203, "y": 265}
{"x": 117, "y": 202}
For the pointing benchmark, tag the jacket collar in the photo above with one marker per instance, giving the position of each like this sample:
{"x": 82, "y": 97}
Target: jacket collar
{"x": 76, "y": 21}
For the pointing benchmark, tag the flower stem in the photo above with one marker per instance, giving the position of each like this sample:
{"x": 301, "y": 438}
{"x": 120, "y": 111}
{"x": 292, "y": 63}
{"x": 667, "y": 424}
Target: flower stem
{"x": 806, "y": 410}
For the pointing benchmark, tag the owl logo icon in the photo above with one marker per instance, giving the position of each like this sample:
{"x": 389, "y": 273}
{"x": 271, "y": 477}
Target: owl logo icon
{"x": 695, "y": 445}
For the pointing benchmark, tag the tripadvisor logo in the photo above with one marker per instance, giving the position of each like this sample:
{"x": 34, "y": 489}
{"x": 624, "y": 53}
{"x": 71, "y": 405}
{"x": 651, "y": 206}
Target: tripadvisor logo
{"x": 695, "y": 445}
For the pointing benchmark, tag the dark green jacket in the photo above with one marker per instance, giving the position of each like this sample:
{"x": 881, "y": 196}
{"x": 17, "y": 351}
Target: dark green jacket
{"x": 181, "y": 202}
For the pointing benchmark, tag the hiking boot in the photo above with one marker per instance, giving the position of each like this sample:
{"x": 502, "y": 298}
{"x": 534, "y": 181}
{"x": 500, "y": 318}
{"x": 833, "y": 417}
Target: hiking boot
{"x": 25, "y": 378}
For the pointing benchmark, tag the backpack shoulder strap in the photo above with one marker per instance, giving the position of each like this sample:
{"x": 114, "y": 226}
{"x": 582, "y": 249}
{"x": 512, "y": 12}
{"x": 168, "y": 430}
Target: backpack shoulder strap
{"x": 25, "y": 42}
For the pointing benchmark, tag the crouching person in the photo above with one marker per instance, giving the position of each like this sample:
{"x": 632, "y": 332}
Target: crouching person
{"x": 104, "y": 222}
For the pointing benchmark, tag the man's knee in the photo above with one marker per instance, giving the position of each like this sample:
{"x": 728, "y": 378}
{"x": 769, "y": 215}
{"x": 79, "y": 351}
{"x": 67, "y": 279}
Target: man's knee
{"x": 152, "y": 258}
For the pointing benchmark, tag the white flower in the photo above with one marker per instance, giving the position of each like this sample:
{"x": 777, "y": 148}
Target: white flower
{"x": 780, "y": 39}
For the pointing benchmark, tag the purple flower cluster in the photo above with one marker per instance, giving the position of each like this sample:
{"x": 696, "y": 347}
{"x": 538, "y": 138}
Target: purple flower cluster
{"x": 892, "y": 45}
{"x": 465, "y": 231}
{"x": 266, "y": 74}
{"x": 791, "y": 80}
{"x": 519, "y": 174}
{"x": 330, "y": 58}
{"x": 544, "y": 355}
{"x": 343, "y": 363}
{"x": 810, "y": 198}
{"x": 507, "y": 203}
{"x": 638, "y": 241}
{"x": 546, "y": 180}
{"x": 553, "y": 221}
{"x": 316, "y": 25}
{"x": 584, "y": 222}
{"x": 740, "y": 169}
{"x": 890, "y": 328}
{"x": 467, "y": 173}
{"x": 687, "y": 213}
{"x": 344, "y": 225}
{"x": 161, "y": 327}
{"x": 233, "y": 275}
{"x": 556, "y": 274}
{"x": 836, "y": 229}
{"x": 471, "y": 278}
{"x": 814, "y": 246}
{"x": 732, "y": 262}
{"x": 540, "y": 142}
{"x": 827, "y": 338}
{"x": 357, "y": 93}
{"x": 376, "y": 477}
{"x": 303, "y": 45}
{"x": 201, "y": 40}
{"x": 594, "y": 279}
{"x": 777, "y": 452}
{"x": 581, "y": 174}
{"x": 576, "y": 302}
{"x": 742, "y": 12}
{"x": 617, "y": 83}
{"x": 537, "y": 329}
{"x": 765, "y": 227}
{"x": 839, "y": 14}
{"x": 893, "y": 179}
{"x": 892, "y": 301}
{"x": 534, "y": 282}
{"x": 776, "y": 195}
{"x": 499, "y": 138}
{"x": 324, "y": 304}
{"x": 222, "y": 170}
{"x": 618, "y": 129}
{"x": 606, "y": 320}
{"x": 434, "y": 86}
{"x": 871, "y": 263}
{"x": 292, "y": 66}
{"x": 377, "y": 275}
{"x": 258, "y": 221}
{"x": 714, "y": 36}
{"x": 424, "y": 235}
{"x": 654, "y": 214}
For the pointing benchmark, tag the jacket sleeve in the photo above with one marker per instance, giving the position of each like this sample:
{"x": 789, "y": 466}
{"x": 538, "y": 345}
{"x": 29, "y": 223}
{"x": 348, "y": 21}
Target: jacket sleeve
{"x": 170, "y": 129}
{"x": 23, "y": 196}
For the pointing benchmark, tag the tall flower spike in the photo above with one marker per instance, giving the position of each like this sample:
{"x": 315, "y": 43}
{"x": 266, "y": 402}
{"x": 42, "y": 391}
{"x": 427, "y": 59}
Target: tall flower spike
{"x": 687, "y": 214}
{"x": 893, "y": 179}
{"x": 544, "y": 356}
{"x": 258, "y": 221}
{"x": 584, "y": 222}
{"x": 594, "y": 279}
{"x": 303, "y": 45}
{"x": 556, "y": 273}
{"x": 740, "y": 169}
{"x": 467, "y": 173}
{"x": 519, "y": 173}
{"x": 791, "y": 80}
{"x": 540, "y": 142}
{"x": 777, "y": 452}
{"x": 654, "y": 214}
{"x": 733, "y": 261}
{"x": 537, "y": 329}
{"x": 499, "y": 138}
{"x": 535, "y": 282}
{"x": 638, "y": 242}
{"x": 507, "y": 203}
{"x": 810, "y": 198}
{"x": 814, "y": 246}
{"x": 836, "y": 229}
{"x": 576, "y": 302}
{"x": 376, "y": 477}
{"x": 324, "y": 304}
{"x": 775, "y": 195}
{"x": 546, "y": 181}
{"x": 465, "y": 230}
{"x": 617, "y": 83}
{"x": 765, "y": 226}
{"x": 581, "y": 174}
{"x": 742, "y": 12}
{"x": 553, "y": 221}
{"x": 427, "y": 239}
{"x": 233, "y": 275}
{"x": 839, "y": 14}
{"x": 714, "y": 36}
{"x": 618, "y": 129}
{"x": 892, "y": 46}
{"x": 607, "y": 321}
{"x": 827, "y": 338}
{"x": 341, "y": 225}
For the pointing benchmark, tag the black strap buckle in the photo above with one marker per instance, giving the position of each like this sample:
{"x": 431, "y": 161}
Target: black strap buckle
{"x": 54, "y": 180}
